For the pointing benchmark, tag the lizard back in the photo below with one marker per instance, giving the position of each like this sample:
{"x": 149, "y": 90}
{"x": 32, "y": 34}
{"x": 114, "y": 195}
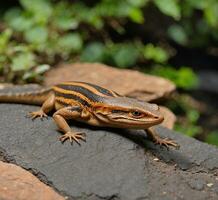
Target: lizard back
{"x": 84, "y": 93}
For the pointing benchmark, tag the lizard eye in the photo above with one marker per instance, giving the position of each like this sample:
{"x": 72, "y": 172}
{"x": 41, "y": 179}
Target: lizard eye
{"x": 136, "y": 113}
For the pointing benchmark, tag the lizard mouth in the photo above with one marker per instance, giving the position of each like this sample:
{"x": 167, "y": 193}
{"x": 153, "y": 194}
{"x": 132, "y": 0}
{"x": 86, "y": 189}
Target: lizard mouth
{"x": 136, "y": 122}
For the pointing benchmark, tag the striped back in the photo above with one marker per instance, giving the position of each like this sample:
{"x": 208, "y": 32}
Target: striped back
{"x": 85, "y": 93}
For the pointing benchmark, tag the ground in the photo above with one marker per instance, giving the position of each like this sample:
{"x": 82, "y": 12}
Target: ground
{"x": 112, "y": 164}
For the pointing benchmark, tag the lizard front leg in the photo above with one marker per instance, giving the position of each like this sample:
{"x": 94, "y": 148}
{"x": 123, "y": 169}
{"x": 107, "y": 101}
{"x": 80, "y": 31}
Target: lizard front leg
{"x": 47, "y": 106}
{"x": 60, "y": 118}
{"x": 152, "y": 135}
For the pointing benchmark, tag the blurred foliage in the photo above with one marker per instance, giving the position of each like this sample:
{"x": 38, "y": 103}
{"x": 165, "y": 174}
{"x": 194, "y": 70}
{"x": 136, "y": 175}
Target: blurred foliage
{"x": 188, "y": 115}
{"x": 212, "y": 138}
{"x": 37, "y": 34}
{"x": 40, "y": 32}
{"x": 184, "y": 77}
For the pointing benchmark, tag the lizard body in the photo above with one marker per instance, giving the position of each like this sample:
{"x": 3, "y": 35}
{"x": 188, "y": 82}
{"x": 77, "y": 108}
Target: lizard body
{"x": 91, "y": 104}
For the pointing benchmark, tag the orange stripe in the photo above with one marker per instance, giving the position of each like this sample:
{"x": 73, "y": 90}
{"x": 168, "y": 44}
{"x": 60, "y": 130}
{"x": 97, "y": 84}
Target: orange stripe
{"x": 67, "y": 101}
{"x": 73, "y": 93}
{"x": 88, "y": 87}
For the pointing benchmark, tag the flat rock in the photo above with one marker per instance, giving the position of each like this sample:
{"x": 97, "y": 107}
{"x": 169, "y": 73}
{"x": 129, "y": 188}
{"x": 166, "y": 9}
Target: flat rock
{"x": 126, "y": 82}
{"x": 18, "y": 184}
{"x": 169, "y": 117}
{"x": 113, "y": 164}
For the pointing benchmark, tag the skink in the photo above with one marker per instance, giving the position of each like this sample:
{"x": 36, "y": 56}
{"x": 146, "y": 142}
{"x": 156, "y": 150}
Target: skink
{"x": 93, "y": 105}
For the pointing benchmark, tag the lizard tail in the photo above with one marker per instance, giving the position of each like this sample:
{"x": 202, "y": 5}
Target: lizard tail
{"x": 31, "y": 97}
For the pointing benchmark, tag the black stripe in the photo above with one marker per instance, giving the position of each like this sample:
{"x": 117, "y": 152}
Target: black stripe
{"x": 100, "y": 89}
{"x": 62, "y": 103}
{"x": 82, "y": 90}
{"x": 72, "y": 96}
{"x": 75, "y": 108}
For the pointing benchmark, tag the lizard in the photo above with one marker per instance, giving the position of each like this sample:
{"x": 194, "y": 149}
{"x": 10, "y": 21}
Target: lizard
{"x": 92, "y": 104}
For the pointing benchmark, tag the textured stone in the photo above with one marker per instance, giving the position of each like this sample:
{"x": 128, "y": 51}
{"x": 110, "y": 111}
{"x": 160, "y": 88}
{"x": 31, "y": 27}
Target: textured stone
{"x": 169, "y": 117}
{"x": 18, "y": 184}
{"x": 126, "y": 82}
{"x": 112, "y": 164}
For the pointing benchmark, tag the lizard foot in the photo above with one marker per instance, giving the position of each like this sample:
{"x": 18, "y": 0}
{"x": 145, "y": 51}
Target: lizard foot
{"x": 166, "y": 142}
{"x": 73, "y": 137}
{"x": 36, "y": 114}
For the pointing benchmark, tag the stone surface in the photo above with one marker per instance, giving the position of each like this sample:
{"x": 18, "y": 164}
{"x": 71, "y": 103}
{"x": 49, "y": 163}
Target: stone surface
{"x": 126, "y": 82}
{"x": 169, "y": 117}
{"x": 18, "y": 184}
{"x": 113, "y": 164}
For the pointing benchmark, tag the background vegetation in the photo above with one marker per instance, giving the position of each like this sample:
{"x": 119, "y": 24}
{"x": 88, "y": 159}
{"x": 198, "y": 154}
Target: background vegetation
{"x": 140, "y": 34}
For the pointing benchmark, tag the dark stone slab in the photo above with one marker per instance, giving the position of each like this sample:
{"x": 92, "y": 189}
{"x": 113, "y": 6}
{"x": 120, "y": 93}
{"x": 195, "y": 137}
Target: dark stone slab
{"x": 113, "y": 164}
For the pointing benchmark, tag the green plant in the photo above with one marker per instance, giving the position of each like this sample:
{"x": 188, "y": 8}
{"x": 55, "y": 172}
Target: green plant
{"x": 53, "y": 32}
{"x": 187, "y": 113}
{"x": 183, "y": 77}
{"x": 212, "y": 138}
{"x": 119, "y": 54}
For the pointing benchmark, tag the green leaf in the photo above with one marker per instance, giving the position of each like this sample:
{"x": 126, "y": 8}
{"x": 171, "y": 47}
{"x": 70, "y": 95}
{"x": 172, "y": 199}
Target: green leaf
{"x": 64, "y": 17}
{"x": 40, "y": 69}
{"x": 29, "y": 75}
{"x": 189, "y": 130}
{"x": 23, "y": 61}
{"x": 199, "y": 4}
{"x": 186, "y": 79}
{"x": 136, "y": 15}
{"x": 138, "y": 3}
{"x": 93, "y": 52}
{"x": 20, "y": 23}
{"x": 4, "y": 39}
{"x": 12, "y": 14}
{"x": 65, "y": 23}
{"x": 157, "y": 54}
{"x": 193, "y": 115}
{"x": 183, "y": 78}
{"x": 41, "y": 9}
{"x": 178, "y": 34}
{"x": 212, "y": 138}
{"x": 70, "y": 42}
{"x": 125, "y": 55}
{"x": 36, "y": 35}
{"x": 169, "y": 7}
{"x": 211, "y": 14}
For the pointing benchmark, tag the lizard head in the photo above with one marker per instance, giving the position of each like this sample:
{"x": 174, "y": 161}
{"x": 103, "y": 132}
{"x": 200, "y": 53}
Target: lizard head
{"x": 124, "y": 112}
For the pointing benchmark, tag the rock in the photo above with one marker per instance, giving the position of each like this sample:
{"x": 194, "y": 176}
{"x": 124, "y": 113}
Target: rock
{"x": 126, "y": 82}
{"x": 169, "y": 117}
{"x": 113, "y": 163}
{"x": 18, "y": 184}
{"x": 5, "y": 85}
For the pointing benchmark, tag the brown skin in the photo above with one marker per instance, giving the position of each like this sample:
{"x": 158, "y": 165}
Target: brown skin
{"x": 120, "y": 112}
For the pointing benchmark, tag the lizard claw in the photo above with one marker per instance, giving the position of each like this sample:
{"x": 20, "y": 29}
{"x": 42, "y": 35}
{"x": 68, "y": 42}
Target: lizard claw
{"x": 36, "y": 114}
{"x": 166, "y": 142}
{"x": 73, "y": 137}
